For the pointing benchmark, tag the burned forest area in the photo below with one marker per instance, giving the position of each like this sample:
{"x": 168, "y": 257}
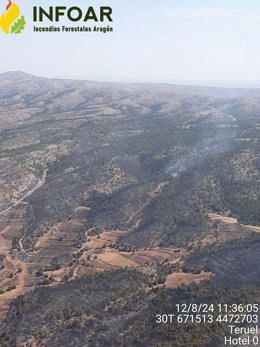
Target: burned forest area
{"x": 119, "y": 201}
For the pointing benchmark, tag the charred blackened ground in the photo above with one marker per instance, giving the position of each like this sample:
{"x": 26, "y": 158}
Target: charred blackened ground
{"x": 135, "y": 188}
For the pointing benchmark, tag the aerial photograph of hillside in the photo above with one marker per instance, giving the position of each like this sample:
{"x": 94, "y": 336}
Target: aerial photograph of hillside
{"x": 129, "y": 174}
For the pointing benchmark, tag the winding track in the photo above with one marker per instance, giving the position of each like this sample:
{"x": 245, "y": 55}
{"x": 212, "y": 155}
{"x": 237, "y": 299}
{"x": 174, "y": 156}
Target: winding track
{"x": 38, "y": 185}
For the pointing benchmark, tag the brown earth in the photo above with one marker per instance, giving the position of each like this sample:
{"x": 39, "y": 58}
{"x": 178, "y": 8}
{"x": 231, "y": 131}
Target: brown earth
{"x": 96, "y": 254}
{"x": 224, "y": 228}
{"x": 175, "y": 280}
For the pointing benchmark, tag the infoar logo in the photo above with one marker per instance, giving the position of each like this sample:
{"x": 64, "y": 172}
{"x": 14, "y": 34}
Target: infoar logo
{"x": 11, "y": 22}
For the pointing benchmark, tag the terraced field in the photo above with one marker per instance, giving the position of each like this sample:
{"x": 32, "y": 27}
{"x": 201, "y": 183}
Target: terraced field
{"x": 117, "y": 200}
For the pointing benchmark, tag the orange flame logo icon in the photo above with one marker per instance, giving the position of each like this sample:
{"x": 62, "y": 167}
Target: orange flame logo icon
{"x": 11, "y": 22}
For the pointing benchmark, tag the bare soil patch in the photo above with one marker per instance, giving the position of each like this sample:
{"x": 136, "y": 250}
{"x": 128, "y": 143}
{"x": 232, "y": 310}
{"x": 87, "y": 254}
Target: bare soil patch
{"x": 175, "y": 280}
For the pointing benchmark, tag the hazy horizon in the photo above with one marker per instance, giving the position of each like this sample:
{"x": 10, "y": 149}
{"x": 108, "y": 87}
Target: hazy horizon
{"x": 192, "y": 83}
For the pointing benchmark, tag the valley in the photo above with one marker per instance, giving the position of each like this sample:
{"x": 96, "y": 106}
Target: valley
{"x": 118, "y": 198}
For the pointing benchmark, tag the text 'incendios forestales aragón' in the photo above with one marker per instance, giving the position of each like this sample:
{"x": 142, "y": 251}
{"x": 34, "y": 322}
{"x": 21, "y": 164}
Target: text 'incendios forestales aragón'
{"x": 74, "y": 14}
